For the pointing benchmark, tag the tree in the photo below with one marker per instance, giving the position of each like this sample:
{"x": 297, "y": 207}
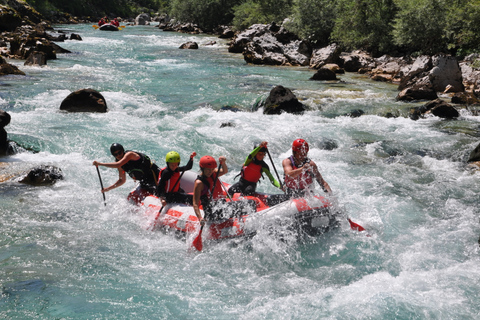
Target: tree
{"x": 261, "y": 11}
{"x": 313, "y": 20}
{"x": 365, "y": 24}
{"x": 207, "y": 14}
{"x": 420, "y": 26}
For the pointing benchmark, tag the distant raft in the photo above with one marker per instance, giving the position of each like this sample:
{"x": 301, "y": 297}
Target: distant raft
{"x": 108, "y": 27}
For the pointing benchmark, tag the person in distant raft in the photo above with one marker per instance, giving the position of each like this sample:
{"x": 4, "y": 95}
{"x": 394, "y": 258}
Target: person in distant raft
{"x": 169, "y": 190}
{"x": 207, "y": 185}
{"x": 252, "y": 170}
{"x": 300, "y": 171}
{"x": 138, "y": 166}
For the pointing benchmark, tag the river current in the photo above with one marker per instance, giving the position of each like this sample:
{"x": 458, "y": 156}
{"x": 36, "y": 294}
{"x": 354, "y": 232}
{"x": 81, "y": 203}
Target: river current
{"x": 64, "y": 255}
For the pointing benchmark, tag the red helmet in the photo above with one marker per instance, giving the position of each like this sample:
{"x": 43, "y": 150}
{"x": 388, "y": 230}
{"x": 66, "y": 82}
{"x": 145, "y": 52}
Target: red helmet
{"x": 208, "y": 162}
{"x": 301, "y": 146}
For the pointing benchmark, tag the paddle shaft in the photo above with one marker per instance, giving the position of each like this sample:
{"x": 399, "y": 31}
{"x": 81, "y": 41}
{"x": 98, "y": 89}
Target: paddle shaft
{"x": 274, "y": 168}
{"x": 101, "y": 185}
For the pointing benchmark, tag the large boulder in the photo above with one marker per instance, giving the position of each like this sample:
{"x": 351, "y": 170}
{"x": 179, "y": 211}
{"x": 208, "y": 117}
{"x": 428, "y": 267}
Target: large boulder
{"x": 446, "y": 72}
{"x": 84, "y": 100}
{"x": 271, "y": 44}
{"x": 282, "y": 99}
{"x": 356, "y": 61}
{"x": 142, "y": 19}
{"x": 326, "y": 55}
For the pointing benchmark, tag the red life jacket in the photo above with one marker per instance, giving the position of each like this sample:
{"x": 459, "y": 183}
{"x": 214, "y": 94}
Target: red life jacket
{"x": 172, "y": 182}
{"x": 252, "y": 172}
{"x": 300, "y": 182}
{"x": 208, "y": 185}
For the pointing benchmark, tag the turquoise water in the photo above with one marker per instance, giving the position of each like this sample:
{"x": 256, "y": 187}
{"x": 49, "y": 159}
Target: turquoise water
{"x": 64, "y": 255}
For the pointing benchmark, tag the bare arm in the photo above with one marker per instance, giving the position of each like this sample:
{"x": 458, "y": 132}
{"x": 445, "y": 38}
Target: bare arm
{"x": 130, "y": 155}
{"x": 122, "y": 177}
{"x": 288, "y": 169}
{"x": 197, "y": 190}
{"x": 312, "y": 165}
{"x": 223, "y": 168}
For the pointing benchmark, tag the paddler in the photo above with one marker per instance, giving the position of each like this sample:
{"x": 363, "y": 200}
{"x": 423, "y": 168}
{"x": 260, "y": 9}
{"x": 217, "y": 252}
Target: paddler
{"x": 138, "y": 166}
{"x": 252, "y": 170}
{"x": 169, "y": 189}
{"x": 300, "y": 171}
{"x": 207, "y": 187}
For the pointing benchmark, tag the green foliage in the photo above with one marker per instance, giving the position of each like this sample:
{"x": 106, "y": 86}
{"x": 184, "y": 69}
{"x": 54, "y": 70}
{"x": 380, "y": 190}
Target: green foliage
{"x": 420, "y": 26}
{"x": 261, "y": 11}
{"x": 81, "y": 8}
{"x": 313, "y": 19}
{"x": 364, "y": 24}
{"x": 463, "y": 25}
{"x": 207, "y": 14}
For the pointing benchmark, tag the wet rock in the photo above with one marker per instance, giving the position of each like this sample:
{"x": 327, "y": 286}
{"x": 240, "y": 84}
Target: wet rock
{"x": 189, "y": 45}
{"x": 42, "y": 176}
{"x": 36, "y": 58}
{"x": 228, "y": 124}
{"x": 75, "y": 36}
{"x": 7, "y": 68}
{"x": 467, "y": 98}
{"x": 282, "y": 99}
{"x": 355, "y": 113}
{"x": 4, "y": 144}
{"x": 474, "y": 155}
{"x": 84, "y": 100}
{"x": 437, "y": 107}
{"x": 324, "y": 74}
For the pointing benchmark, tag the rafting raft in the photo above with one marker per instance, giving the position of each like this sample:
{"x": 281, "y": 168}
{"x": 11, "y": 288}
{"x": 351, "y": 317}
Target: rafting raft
{"x": 242, "y": 216}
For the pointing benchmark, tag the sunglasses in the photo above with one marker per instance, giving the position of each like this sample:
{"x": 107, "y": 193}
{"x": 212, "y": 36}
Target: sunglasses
{"x": 117, "y": 153}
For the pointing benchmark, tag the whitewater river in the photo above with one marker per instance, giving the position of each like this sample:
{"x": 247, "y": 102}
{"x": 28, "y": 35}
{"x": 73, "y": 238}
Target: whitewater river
{"x": 64, "y": 255}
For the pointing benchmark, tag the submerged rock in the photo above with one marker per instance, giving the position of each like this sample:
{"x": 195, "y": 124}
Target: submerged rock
{"x": 42, "y": 176}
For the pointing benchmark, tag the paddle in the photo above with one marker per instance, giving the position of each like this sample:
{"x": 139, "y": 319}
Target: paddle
{"x": 101, "y": 185}
{"x": 355, "y": 226}
{"x": 197, "y": 242}
{"x": 274, "y": 168}
{"x": 160, "y": 211}
{"x": 95, "y": 26}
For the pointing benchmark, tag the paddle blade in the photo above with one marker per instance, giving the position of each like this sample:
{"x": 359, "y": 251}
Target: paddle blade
{"x": 355, "y": 226}
{"x": 95, "y": 26}
{"x": 197, "y": 242}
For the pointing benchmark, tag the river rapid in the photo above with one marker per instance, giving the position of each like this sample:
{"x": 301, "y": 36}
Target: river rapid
{"x": 64, "y": 255}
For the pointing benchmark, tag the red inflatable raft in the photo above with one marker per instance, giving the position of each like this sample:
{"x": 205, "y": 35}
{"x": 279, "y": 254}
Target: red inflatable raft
{"x": 241, "y": 216}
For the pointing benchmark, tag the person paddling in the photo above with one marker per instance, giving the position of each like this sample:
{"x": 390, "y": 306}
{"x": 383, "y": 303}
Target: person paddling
{"x": 169, "y": 189}
{"x": 300, "y": 171}
{"x": 207, "y": 187}
{"x": 252, "y": 170}
{"x": 138, "y": 166}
